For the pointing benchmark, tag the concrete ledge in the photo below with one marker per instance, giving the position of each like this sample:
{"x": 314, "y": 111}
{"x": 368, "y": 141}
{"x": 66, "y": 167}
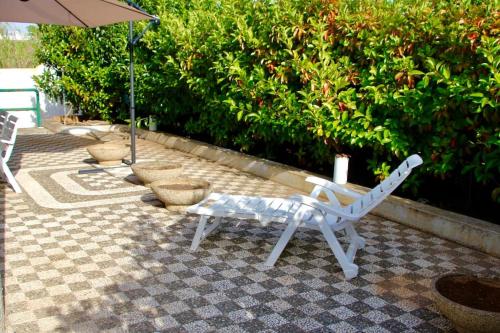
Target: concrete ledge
{"x": 465, "y": 230}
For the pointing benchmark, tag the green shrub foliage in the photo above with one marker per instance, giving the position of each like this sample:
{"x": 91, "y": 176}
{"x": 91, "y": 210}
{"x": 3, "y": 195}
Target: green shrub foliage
{"x": 304, "y": 79}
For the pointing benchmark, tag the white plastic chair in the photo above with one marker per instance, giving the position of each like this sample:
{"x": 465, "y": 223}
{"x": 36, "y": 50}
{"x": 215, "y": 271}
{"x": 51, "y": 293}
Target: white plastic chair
{"x": 304, "y": 211}
{"x": 7, "y": 141}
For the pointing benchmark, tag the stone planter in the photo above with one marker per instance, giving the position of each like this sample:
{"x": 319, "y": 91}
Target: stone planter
{"x": 109, "y": 153}
{"x": 108, "y": 137}
{"x": 471, "y": 303}
{"x": 179, "y": 193}
{"x": 149, "y": 172}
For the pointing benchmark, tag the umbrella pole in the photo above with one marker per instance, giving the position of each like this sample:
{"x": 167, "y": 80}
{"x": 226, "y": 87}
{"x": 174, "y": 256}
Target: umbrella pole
{"x": 132, "y": 41}
{"x": 132, "y": 101}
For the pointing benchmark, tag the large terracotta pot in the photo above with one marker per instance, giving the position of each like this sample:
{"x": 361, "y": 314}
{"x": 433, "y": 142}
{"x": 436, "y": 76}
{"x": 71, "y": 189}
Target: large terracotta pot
{"x": 471, "y": 303}
{"x": 109, "y": 153}
{"x": 179, "y": 193}
{"x": 149, "y": 172}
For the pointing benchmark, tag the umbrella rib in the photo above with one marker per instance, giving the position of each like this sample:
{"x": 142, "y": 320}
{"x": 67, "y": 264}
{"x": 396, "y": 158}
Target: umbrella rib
{"x": 69, "y": 11}
{"x": 129, "y": 7}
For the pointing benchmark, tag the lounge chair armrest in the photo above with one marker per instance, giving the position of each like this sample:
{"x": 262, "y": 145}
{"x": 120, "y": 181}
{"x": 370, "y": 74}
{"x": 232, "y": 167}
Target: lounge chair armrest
{"x": 333, "y": 187}
{"x": 315, "y": 203}
{"x": 7, "y": 142}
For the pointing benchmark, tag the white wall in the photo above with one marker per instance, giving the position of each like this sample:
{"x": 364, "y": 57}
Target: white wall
{"x": 22, "y": 78}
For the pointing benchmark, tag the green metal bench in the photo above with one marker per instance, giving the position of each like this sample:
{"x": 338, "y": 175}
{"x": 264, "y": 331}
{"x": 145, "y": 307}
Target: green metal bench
{"x": 36, "y": 108}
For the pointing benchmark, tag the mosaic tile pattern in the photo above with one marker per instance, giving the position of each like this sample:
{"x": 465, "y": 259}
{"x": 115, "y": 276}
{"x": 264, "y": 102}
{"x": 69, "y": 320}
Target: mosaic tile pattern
{"x": 98, "y": 181}
{"x": 126, "y": 266}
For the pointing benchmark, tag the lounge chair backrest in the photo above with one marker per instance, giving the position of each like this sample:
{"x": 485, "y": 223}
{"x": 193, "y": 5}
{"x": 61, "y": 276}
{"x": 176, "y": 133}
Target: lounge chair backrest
{"x": 371, "y": 199}
{"x": 9, "y": 133}
{"x": 3, "y": 119}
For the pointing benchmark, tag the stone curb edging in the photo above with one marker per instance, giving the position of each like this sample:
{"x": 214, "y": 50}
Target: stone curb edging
{"x": 471, "y": 232}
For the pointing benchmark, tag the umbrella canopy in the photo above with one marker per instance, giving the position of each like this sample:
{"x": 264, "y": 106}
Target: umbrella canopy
{"x": 81, "y": 13}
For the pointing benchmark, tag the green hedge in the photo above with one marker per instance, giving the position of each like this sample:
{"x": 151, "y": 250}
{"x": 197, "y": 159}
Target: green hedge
{"x": 299, "y": 81}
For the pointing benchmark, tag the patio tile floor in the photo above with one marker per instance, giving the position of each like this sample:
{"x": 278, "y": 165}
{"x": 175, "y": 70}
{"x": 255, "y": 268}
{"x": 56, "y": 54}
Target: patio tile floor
{"x": 93, "y": 253}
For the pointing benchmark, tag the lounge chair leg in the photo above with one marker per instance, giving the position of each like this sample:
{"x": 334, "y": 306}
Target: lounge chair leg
{"x": 10, "y": 178}
{"x": 355, "y": 237}
{"x": 283, "y": 241}
{"x": 199, "y": 232}
{"x": 2, "y": 175}
{"x": 349, "y": 268}
{"x": 216, "y": 222}
{"x": 351, "y": 251}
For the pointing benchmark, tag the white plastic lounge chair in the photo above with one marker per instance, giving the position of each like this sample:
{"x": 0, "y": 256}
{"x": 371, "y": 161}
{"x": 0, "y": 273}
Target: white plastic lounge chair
{"x": 7, "y": 140}
{"x": 307, "y": 211}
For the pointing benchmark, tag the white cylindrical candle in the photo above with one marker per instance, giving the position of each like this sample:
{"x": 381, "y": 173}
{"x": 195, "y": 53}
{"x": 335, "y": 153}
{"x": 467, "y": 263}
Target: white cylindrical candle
{"x": 340, "y": 169}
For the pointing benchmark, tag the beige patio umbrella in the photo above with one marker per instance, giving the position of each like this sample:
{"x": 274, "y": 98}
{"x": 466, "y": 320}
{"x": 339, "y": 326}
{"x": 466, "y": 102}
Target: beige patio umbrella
{"x": 82, "y": 13}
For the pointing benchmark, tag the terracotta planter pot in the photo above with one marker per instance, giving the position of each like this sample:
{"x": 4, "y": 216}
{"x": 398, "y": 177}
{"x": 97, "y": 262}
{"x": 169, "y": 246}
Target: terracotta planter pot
{"x": 149, "y": 172}
{"x": 471, "y": 303}
{"x": 109, "y": 153}
{"x": 180, "y": 193}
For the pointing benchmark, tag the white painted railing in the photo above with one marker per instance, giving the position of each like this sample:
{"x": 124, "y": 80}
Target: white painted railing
{"x": 16, "y": 78}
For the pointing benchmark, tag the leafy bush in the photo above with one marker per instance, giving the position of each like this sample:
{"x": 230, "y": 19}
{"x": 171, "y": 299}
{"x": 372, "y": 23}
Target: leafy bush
{"x": 299, "y": 81}
{"x": 90, "y": 65}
